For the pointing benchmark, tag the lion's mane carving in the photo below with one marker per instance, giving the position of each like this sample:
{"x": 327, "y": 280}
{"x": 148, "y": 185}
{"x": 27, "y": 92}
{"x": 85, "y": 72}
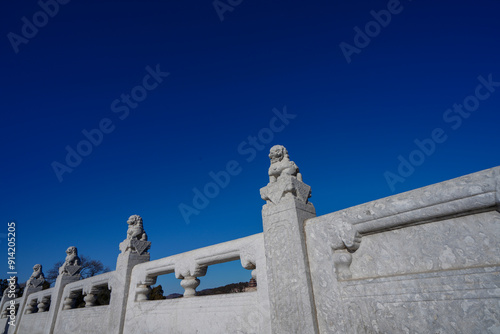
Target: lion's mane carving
{"x": 281, "y": 164}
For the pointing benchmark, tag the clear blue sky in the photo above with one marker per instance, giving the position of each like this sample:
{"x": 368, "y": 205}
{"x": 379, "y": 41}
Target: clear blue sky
{"x": 353, "y": 119}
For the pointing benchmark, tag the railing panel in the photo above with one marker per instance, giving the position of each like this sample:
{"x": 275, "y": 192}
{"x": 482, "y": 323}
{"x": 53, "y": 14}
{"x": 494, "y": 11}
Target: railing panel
{"x": 423, "y": 263}
{"x": 246, "y": 312}
{"x": 93, "y": 320}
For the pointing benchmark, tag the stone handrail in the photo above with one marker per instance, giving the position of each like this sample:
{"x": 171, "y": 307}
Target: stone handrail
{"x": 474, "y": 192}
{"x": 363, "y": 234}
{"x": 88, "y": 287}
{"x": 190, "y": 265}
{"x": 17, "y": 302}
{"x": 42, "y": 299}
{"x": 342, "y": 230}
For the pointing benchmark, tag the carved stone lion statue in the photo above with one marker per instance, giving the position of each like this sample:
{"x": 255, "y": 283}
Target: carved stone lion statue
{"x": 285, "y": 179}
{"x": 281, "y": 164}
{"x": 137, "y": 239}
{"x": 72, "y": 259}
{"x": 135, "y": 228}
{"x": 37, "y": 278}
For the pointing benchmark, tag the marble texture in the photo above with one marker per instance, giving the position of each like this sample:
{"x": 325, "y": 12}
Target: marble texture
{"x": 88, "y": 320}
{"x": 31, "y": 323}
{"x": 426, "y": 261}
{"x": 457, "y": 243}
{"x": 287, "y": 207}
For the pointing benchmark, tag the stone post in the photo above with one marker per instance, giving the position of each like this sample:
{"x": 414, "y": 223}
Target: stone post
{"x": 69, "y": 272}
{"x": 287, "y": 207}
{"x": 33, "y": 284}
{"x": 134, "y": 250}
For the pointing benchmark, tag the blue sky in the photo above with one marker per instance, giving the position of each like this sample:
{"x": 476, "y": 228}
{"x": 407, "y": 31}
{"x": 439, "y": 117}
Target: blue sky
{"x": 354, "y": 116}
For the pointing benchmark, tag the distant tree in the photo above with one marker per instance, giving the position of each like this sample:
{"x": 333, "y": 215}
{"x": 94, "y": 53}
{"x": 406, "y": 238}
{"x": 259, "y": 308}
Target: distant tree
{"x": 52, "y": 273}
{"x": 90, "y": 267}
{"x": 103, "y": 298}
{"x": 156, "y": 293}
{"x": 230, "y": 288}
{"x": 4, "y": 284}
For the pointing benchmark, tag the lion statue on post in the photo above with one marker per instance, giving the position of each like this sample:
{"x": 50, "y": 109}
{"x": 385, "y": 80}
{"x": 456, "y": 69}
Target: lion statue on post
{"x": 37, "y": 278}
{"x": 285, "y": 179}
{"x": 281, "y": 164}
{"x": 135, "y": 228}
{"x": 72, "y": 263}
{"x": 137, "y": 239}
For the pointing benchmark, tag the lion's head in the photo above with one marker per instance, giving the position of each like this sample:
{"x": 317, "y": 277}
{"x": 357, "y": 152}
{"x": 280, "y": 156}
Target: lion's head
{"x": 278, "y": 153}
{"x": 72, "y": 250}
{"x": 37, "y": 267}
{"x": 134, "y": 220}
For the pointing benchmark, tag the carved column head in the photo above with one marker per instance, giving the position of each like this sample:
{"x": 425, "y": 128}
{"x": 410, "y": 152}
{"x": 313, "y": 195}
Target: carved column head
{"x": 72, "y": 263}
{"x": 137, "y": 239}
{"x": 37, "y": 278}
{"x": 281, "y": 164}
{"x": 285, "y": 180}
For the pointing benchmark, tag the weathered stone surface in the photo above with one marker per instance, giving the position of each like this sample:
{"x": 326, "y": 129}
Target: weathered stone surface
{"x": 474, "y": 192}
{"x": 33, "y": 323}
{"x": 457, "y": 243}
{"x": 140, "y": 246}
{"x": 428, "y": 261}
{"x": 120, "y": 286}
{"x": 88, "y": 320}
{"x": 290, "y": 289}
{"x": 56, "y": 300}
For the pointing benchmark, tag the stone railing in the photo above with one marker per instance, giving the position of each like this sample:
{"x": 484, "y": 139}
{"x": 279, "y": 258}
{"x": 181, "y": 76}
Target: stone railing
{"x": 425, "y": 261}
{"x": 35, "y": 312}
{"x": 38, "y": 302}
{"x": 89, "y": 288}
{"x": 94, "y": 319}
{"x": 219, "y": 313}
{"x": 193, "y": 264}
{"x": 431, "y": 251}
{"x": 5, "y": 307}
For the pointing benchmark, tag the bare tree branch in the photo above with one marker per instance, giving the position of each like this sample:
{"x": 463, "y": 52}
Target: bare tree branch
{"x": 90, "y": 267}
